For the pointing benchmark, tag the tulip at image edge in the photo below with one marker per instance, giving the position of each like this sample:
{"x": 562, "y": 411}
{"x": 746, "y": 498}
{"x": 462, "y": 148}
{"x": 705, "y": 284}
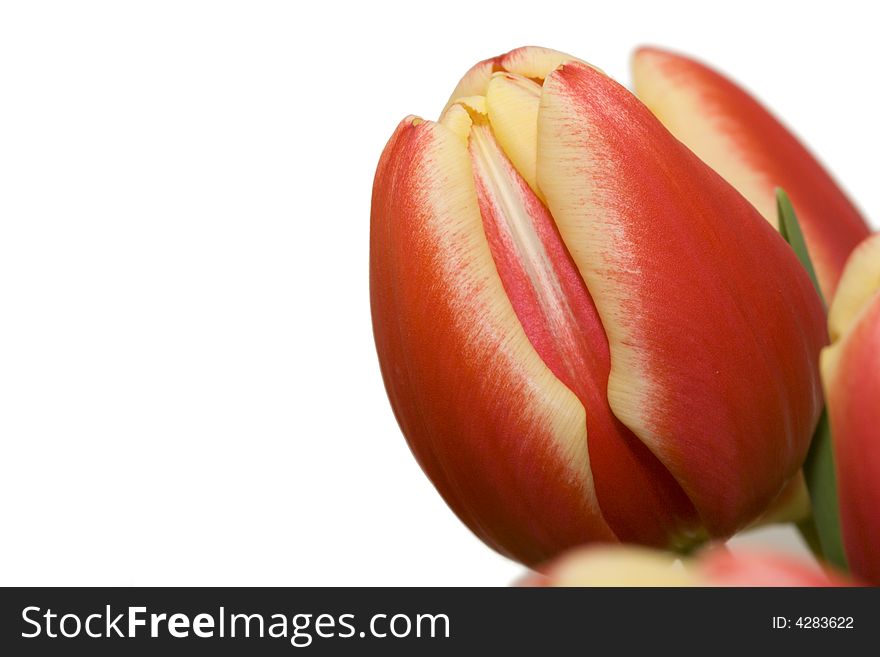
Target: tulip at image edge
{"x": 851, "y": 374}
{"x": 585, "y": 333}
{"x": 715, "y": 567}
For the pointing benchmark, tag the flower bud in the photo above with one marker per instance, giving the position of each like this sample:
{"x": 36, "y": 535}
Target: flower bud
{"x": 851, "y": 374}
{"x": 585, "y": 333}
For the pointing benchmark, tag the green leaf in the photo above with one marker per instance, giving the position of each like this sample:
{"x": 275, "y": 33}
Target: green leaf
{"x": 790, "y": 229}
{"x": 822, "y": 485}
{"x": 822, "y": 530}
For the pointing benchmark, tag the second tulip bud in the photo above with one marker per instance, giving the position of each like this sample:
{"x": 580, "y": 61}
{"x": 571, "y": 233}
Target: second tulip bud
{"x": 851, "y": 369}
{"x": 585, "y": 333}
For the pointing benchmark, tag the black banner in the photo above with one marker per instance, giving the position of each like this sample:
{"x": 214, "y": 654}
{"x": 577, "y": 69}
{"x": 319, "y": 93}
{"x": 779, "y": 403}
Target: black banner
{"x": 338, "y": 621}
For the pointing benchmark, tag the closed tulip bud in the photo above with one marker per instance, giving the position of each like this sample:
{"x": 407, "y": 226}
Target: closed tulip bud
{"x": 631, "y": 566}
{"x": 851, "y": 373}
{"x": 735, "y": 135}
{"x": 585, "y": 333}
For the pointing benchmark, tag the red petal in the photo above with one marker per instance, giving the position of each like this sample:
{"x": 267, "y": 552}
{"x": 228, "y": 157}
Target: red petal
{"x": 753, "y": 151}
{"x": 713, "y": 325}
{"x": 500, "y": 437}
{"x": 852, "y": 379}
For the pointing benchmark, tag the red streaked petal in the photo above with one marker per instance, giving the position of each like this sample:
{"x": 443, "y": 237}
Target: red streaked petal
{"x": 533, "y": 62}
{"x": 713, "y": 325}
{"x": 718, "y": 567}
{"x": 638, "y": 497}
{"x": 751, "y": 149}
{"x": 851, "y": 373}
{"x": 501, "y": 438}
{"x": 721, "y": 567}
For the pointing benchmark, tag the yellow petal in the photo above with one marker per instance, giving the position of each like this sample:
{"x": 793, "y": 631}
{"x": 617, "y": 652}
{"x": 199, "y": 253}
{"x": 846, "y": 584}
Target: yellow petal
{"x": 534, "y": 62}
{"x": 859, "y": 282}
{"x": 619, "y": 566}
{"x": 512, "y": 101}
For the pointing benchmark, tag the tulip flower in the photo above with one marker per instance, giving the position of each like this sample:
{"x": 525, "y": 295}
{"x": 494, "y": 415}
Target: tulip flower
{"x": 632, "y": 566}
{"x": 851, "y": 373}
{"x": 753, "y": 151}
{"x": 586, "y": 334}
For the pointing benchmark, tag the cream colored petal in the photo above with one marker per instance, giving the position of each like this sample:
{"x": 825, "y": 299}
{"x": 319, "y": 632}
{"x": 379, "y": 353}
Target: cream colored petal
{"x": 619, "y": 566}
{"x": 474, "y": 82}
{"x": 512, "y": 102}
{"x": 683, "y": 109}
{"x": 860, "y": 281}
{"x": 535, "y": 62}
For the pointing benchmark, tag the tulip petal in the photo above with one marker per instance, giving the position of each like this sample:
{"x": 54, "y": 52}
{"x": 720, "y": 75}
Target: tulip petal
{"x": 638, "y": 497}
{"x": 860, "y": 282}
{"x": 721, "y": 567}
{"x": 752, "y": 150}
{"x": 474, "y": 82}
{"x": 612, "y": 566}
{"x": 851, "y": 373}
{"x": 502, "y": 439}
{"x": 512, "y": 103}
{"x": 670, "y": 252}
{"x": 534, "y": 62}
{"x": 791, "y": 505}
{"x": 717, "y": 567}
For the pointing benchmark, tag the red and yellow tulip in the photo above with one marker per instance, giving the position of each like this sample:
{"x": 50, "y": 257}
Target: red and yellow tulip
{"x": 586, "y": 334}
{"x": 851, "y": 373}
{"x": 735, "y": 135}
{"x": 633, "y": 566}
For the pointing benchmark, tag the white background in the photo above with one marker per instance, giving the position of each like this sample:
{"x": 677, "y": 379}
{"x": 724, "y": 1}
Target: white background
{"x": 189, "y": 392}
